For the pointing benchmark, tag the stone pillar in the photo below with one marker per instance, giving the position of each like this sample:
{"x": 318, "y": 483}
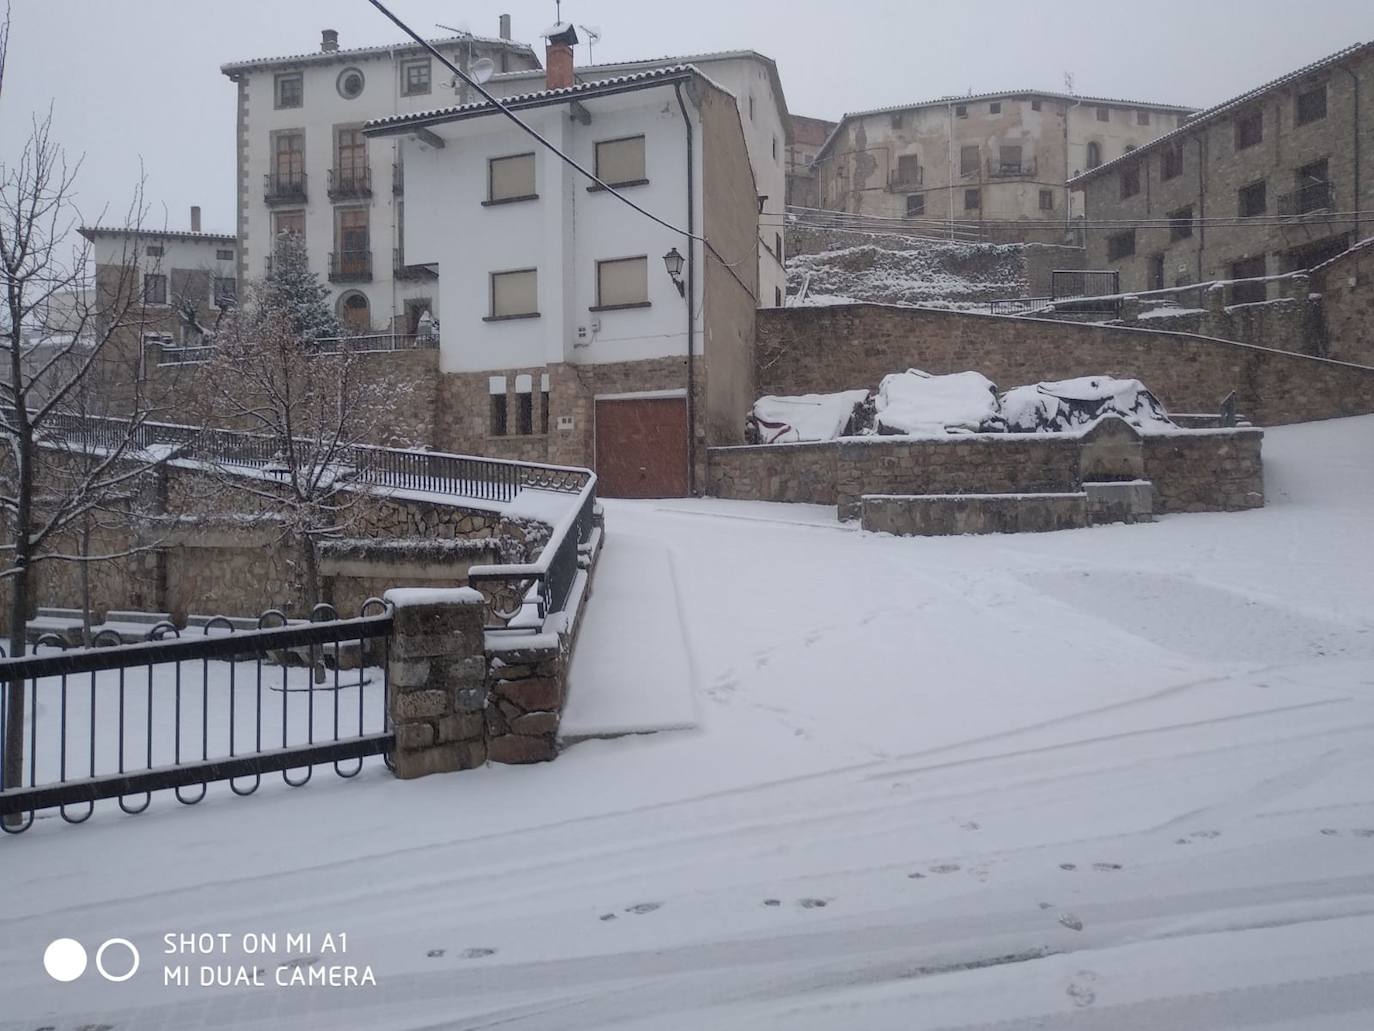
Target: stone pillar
{"x": 1298, "y": 287}
{"x": 1215, "y": 321}
{"x": 1130, "y": 308}
{"x": 525, "y": 705}
{"x": 437, "y": 671}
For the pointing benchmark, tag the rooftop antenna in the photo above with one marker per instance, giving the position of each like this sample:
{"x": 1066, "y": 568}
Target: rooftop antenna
{"x": 593, "y": 37}
{"x": 454, "y": 29}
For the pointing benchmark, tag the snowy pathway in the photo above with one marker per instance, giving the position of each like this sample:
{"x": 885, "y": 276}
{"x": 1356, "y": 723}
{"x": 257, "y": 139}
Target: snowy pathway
{"x": 1116, "y": 778}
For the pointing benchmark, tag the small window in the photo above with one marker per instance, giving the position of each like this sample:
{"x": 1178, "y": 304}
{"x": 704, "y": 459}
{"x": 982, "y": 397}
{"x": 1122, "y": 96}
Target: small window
{"x": 897, "y": 120}
{"x": 1009, "y": 158}
{"x": 154, "y": 250}
{"x": 1181, "y": 223}
{"x": 350, "y": 83}
{"x": 777, "y": 246}
{"x": 995, "y": 108}
{"x": 514, "y": 295}
{"x": 775, "y": 148}
{"x": 498, "y": 415}
{"x": 524, "y": 413}
{"x": 1035, "y": 105}
{"x": 510, "y": 179}
{"x": 1130, "y": 180}
{"x": 415, "y": 77}
{"x": 916, "y": 205}
{"x": 1121, "y": 245}
{"x": 1046, "y": 200}
{"x": 154, "y": 289}
{"x": 290, "y": 89}
{"x": 777, "y": 297}
{"x": 622, "y": 283}
{"x": 1094, "y": 154}
{"x": 1312, "y": 105}
{"x": 544, "y": 407}
{"x": 1142, "y": 118}
{"x": 1249, "y": 293}
{"x": 1104, "y": 114}
{"x": 1253, "y": 200}
{"x": 961, "y": 111}
{"x": 1249, "y": 129}
{"x": 1171, "y": 162}
{"x": 226, "y": 292}
{"x": 751, "y": 107}
{"x": 224, "y": 254}
{"x": 973, "y": 200}
{"x": 621, "y": 162}
{"x": 908, "y": 168}
{"x": 968, "y": 160}
{"x": 288, "y": 222}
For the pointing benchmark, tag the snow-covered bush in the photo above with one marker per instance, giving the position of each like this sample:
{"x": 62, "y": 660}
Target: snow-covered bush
{"x": 916, "y": 402}
{"x": 1071, "y": 403}
{"x": 809, "y": 417}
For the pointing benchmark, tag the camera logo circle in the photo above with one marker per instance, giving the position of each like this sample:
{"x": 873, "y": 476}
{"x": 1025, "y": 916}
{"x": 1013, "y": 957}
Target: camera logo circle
{"x": 64, "y": 959}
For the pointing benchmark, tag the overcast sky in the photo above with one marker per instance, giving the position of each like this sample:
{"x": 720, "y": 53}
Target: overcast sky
{"x": 131, "y": 79}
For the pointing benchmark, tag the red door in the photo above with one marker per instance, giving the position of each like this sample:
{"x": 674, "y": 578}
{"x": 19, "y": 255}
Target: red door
{"x": 641, "y": 448}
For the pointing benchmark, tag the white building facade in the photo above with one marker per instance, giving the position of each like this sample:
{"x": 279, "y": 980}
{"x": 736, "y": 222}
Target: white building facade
{"x": 304, "y": 165}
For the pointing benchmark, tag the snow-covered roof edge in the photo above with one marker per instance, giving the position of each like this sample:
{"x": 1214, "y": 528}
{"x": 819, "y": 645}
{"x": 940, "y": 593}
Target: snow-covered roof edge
{"x": 91, "y": 232}
{"x": 1212, "y": 114}
{"x": 233, "y": 68}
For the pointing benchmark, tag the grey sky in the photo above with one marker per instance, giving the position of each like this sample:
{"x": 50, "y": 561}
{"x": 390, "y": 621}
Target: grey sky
{"x": 133, "y": 79}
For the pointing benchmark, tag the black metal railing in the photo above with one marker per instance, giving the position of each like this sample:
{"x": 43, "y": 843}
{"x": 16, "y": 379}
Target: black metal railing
{"x": 178, "y": 715}
{"x": 284, "y": 188}
{"x": 1097, "y": 287}
{"x": 350, "y": 182}
{"x": 350, "y": 266}
{"x": 369, "y": 342}
{"x": 403, "y": 271}
{"x": 999, "y": 168}
{"x": 1305, "y": 200}
{"x": 901, "y": 180}
{"x": 1017, "y": 305}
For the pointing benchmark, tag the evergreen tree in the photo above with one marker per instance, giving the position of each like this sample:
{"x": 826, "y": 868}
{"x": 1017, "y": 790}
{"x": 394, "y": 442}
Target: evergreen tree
{"x": 296, "y": 293}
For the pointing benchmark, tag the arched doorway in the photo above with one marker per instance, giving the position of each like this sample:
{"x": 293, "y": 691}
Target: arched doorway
{"x": 354, "y": 313}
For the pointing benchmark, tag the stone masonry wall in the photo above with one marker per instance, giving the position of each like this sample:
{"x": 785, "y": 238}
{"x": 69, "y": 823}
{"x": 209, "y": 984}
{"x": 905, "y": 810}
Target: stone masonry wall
{"x": 817, "y": 350}
{"x": 775, "y": 472}
{"x": 1206, "y": 471}
{"x": 1346, "y": 285}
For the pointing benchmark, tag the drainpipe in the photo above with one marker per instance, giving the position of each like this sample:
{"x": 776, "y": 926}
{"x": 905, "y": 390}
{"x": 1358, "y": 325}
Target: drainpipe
{"x": 1355, "y": 140}
{"x": 691, "y": 298}
{"x": 949, "y": 166}
{"x": 1068, "y": 164}
{"x": 1201, "y": 202}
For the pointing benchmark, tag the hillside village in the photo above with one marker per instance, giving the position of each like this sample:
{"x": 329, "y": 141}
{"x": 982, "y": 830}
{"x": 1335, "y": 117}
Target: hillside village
{"x": 915, "y": 561}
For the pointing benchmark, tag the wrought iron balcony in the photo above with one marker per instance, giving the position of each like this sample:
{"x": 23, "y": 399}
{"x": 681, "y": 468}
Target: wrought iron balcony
{"x": 284, "y": 188}
{"x": 905, "y": 180}
{"x": 350, "y": 183}
{"x": 999, "y": 168}
{"x": 401, "y": 270}
{"x": 1306, "y": 200}
{"x": 350, "y": 266}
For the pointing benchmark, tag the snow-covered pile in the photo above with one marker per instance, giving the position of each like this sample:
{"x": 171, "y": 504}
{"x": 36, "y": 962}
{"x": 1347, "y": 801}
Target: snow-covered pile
{"x": 901, "y": 270}
{"x": 808, "y": 417}
{"x": 915, "y": 402}
{"x": 1073, "y": 403}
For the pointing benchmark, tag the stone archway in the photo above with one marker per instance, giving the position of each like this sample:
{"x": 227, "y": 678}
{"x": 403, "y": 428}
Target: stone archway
{"x": 355, "y": 314}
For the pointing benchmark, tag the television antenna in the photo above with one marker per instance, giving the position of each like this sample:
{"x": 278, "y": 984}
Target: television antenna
{"x": 593, "y": 37}
{"x": 464, "y": 31}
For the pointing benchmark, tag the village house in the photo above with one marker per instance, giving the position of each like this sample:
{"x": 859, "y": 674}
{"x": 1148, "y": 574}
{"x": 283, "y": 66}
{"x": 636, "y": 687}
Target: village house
{"x": 578, "y": 330}
{"x": 754, "y": 81}
{"x": 304, "y": 166}
{"x": 808, "y": 136}
{"x": 993, "y": 157}
{"x": 1266, "y": 183}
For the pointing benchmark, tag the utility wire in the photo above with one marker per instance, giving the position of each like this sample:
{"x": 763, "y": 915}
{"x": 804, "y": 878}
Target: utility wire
{"x": 531, "y": 131}
{"x": 821, "y": 216}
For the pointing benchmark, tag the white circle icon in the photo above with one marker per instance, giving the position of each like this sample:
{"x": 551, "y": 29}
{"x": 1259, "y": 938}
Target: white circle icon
{"x": 100, "y": 960}
{"x": 64, "y": 959}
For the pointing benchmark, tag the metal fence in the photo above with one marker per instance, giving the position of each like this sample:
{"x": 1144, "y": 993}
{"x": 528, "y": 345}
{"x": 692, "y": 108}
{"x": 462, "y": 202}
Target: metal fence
{"x": 1017, "y": 305}
{"x": 178, "y": 715}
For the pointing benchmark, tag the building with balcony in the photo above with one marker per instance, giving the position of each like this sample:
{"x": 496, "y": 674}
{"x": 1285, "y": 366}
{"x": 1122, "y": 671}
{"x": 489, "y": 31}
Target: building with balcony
{"x": 304, "y": 165}
{"x": 808, "y": 136}
{"x": 1265, "y": 183}
{"x": 990, "y": 158}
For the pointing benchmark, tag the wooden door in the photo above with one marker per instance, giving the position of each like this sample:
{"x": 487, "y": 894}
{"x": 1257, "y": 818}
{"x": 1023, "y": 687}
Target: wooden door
{"x": 641, "y": 448}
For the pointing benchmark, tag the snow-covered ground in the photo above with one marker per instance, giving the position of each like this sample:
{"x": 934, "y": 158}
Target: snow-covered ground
{"x": 1114, "y": 778}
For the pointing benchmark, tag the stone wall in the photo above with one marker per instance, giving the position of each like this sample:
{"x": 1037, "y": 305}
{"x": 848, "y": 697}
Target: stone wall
{"x": 775, "y": 472}
{"x": 1206, "y": 470}
{"x": 1346, "y": 285}
{"x": 817, "y": 350}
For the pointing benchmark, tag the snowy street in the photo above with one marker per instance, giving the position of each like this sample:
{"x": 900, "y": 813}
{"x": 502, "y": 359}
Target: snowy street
{"x": 1115, "y": 778}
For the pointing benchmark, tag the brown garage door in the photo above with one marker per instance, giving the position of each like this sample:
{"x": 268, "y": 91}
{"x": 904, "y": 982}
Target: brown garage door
{"x": 641, "y": 448}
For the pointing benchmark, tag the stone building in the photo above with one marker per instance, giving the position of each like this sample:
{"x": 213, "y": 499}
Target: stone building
{"x": 992, "y": 157}
{"x": 1263, "y": 184}
{"x": 757, "y": 87}
{"x": 304, "y": 165}
{"x": 808, "y": 136}
{"x": 580, "y": 331}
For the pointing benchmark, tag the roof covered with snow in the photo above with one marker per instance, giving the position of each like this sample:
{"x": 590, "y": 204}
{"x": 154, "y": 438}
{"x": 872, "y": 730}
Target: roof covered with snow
{"x": 1226, "y": 107}
{"x": 1033, "y": 94}
{"x": 356, "y": 53}
{"x": 622, "y": 84}
{"x": 91, "y": 232}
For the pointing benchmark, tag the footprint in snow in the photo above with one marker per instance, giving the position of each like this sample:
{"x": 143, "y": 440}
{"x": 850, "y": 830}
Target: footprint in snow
{"x": 1080, "y": 989}
{"x": 1046, "y": 905}
{"x": 916, "y": 876}
{"x": 772, "y": 902}
{"x": 436, "y": 953}
{"x": 813, "y": 903}
{"x": 607, "y": 916}
{"x": 1330, "y": 832}
{"x": 1068, "y": 866}
{"x": 1205, "y": 835}
{"x": 476, "y": 953}
{"x": 1071, "y": 922}
{"x": 640, "y": 908}
{"x": 1106, "y": 867}
{"x": 945, "y": 868}
{"x": 1363, "y": 832}
{"x": 812, "y": 637}
{"x": 972, "y": 825}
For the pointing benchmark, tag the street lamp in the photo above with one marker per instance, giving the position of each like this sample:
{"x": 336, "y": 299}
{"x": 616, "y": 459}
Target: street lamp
{"x": 673, "y": 261}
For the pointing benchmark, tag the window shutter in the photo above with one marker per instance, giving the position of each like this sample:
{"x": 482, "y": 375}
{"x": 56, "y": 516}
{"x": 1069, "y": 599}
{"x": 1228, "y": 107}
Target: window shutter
{"x": 625, "y": 281}
{"x": 512, "y": 177}
{"x": 514, "y": 293}
{"x": 620, "y": 161}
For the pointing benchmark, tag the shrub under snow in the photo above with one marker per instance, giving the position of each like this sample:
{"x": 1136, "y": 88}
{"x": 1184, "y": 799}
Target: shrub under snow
{"x": 915, "y": 402}
{"x": 1072, "y": 403}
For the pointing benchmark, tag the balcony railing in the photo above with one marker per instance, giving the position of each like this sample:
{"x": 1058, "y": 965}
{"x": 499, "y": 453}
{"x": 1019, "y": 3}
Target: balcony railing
{"x": 350, "y": 266}
{"x": 350, "y": 183}
{"x": 401, "y": 270}
{"x": 1000, "y": 168}
{"x": 904, "y": 180}
{"x": 1306, "y": 200}
{"x": 284, "y": 188}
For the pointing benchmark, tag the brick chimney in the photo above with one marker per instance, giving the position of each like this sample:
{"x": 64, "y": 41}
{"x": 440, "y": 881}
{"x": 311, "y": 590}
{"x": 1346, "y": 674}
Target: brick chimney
{"x": 505, "y": 26}
{"x": 195, "y": 218}
{"x": 329, "y": 41}
{"x": 558, "y": 58}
